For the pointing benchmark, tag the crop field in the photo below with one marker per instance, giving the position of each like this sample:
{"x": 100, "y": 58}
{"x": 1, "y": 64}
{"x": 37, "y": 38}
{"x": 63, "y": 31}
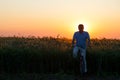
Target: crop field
{"x": 50, "y": 55}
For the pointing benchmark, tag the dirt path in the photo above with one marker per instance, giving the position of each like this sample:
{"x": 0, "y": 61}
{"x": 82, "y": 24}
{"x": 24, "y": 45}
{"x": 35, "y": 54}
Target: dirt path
{"x": 35, "y": 76}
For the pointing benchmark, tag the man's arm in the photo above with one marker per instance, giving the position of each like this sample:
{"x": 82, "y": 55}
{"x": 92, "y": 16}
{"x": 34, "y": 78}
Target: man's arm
{"x": 73, "y": 42}
{"x": 89, "y": 42}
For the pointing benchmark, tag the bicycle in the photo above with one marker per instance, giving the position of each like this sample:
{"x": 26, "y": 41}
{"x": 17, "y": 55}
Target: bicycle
{"x": 79, "y": 62}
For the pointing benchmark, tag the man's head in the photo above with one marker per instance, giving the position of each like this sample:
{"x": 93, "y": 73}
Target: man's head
{"x": 81, "y": 27}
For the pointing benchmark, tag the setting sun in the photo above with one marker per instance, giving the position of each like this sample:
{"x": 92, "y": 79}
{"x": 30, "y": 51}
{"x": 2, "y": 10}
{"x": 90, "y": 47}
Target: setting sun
{"x": 86, "y": 26}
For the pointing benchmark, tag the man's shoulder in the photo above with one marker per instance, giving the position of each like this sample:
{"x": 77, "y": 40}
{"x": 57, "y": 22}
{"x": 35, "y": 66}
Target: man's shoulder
{"x": 86, "y": 32}
{"x": 76, "y": 32}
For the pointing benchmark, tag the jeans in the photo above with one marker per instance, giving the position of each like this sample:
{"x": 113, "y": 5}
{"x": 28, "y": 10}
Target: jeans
{"x": 83, "y": 54}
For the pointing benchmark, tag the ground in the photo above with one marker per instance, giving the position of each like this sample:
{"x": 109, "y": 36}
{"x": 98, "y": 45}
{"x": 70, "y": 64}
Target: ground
{"x": 34, "y": 76}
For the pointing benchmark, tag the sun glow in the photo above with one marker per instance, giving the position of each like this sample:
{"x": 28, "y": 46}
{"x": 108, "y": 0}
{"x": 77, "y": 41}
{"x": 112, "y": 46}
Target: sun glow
{"x": 86, "y": 26}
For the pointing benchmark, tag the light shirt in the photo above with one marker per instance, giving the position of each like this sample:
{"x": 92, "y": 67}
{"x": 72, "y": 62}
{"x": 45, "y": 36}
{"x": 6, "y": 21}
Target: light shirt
{"x": 81, "y": 39}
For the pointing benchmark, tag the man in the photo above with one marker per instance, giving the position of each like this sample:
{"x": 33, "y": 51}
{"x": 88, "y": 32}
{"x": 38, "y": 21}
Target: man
{"x": 80, "y": 38}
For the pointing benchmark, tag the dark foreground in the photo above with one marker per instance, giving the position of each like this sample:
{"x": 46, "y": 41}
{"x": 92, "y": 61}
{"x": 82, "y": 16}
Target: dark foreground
{"x": 57, "y": 76}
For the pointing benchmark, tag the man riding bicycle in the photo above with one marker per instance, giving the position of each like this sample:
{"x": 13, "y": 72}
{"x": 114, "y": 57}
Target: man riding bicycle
{"x": 80, "y": 38}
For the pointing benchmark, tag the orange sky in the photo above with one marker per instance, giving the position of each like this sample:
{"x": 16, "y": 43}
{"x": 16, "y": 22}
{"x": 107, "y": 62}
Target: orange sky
{"x": 60, "y": 17}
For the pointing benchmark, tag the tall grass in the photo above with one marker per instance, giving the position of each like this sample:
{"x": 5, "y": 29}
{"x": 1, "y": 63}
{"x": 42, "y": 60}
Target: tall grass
{"x": 51, "y": 55}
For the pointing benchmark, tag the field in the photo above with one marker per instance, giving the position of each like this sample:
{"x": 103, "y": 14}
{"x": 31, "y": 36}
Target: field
{"x": 50, "y": 55}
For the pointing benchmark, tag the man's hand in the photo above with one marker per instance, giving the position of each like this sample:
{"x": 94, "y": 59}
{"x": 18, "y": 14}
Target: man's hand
{"x": 89, "y": 43}
{"x": 89, "y": 46}
{"x": 73, "y": 43}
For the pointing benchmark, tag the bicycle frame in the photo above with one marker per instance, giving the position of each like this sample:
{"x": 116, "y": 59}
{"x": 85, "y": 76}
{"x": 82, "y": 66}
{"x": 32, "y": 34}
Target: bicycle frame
{"x": 80, "y": 58}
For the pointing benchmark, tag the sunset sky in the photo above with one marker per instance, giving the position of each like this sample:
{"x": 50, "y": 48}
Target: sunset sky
{"x": 60, "y": 17}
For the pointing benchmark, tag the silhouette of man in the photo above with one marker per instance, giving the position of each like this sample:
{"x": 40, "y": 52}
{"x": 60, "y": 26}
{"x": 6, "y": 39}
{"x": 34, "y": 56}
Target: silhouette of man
{"x": 80, "y": 41}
